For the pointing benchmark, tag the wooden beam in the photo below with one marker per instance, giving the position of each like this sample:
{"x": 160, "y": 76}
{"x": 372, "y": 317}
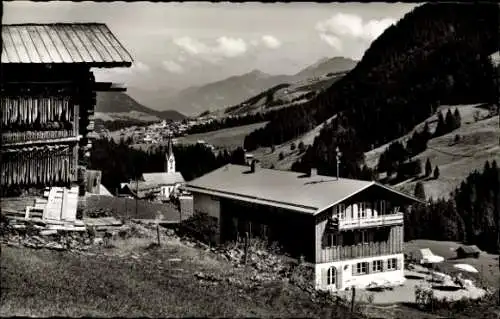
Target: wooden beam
{"x": 47, "y": 141}
{"x": 108, "y": 87}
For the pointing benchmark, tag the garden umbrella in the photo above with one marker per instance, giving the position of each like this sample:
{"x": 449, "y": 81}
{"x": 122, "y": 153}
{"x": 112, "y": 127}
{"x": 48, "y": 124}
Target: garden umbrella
{"x": 466, "y": 267}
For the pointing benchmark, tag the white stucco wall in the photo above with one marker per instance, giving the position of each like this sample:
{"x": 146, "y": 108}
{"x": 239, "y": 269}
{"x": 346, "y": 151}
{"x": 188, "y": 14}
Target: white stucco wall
{"x": 347, "y": 279}
{"x": 206, "y": 204}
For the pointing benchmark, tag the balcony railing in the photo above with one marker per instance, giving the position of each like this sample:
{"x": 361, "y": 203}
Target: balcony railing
{"x": 367, "y": 222}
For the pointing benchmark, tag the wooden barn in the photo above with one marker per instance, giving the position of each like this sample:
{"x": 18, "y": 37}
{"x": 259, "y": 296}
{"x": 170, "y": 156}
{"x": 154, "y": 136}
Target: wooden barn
{"x": 48, "y": 98}
{"x": 352, "y": 230}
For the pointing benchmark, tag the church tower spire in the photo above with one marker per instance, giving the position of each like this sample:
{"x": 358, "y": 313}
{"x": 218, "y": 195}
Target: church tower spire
{"x": 169, "y": 157}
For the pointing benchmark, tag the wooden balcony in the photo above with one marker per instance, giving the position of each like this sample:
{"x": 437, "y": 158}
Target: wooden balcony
{"x": 367, "y": 222}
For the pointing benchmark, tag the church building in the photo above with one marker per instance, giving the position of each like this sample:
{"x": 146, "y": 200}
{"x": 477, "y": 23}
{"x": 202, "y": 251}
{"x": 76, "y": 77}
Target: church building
{"x": 169, "y": 180}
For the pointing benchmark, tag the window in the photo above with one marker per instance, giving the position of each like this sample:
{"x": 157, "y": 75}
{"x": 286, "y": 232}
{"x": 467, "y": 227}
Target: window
{"x": 381, "y": 235}
{"x": 362, "y": 237}
{"x": 341, "y": 211}
{"x": 332, "y": 240}
{"x": 349, "y": 238}
{"x": 392, "y": 264}
{"x": 362, "y": 210}
{"x": 331, "y": 276}
{"x": 361, "y": 268}
{"x": 382, "y": 207}
{"x": 377, "y": 266}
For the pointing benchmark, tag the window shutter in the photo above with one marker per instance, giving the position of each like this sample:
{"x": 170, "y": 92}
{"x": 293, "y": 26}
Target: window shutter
{"x": 398, "y": 264}
{"x": 338, "y": 279}
{"x": 368, "y": 270}
{"x": 324, "y": 277}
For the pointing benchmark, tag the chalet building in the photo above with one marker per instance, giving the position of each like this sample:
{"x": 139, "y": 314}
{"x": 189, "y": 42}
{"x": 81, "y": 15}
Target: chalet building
{"x": 48, "y": 98}
{"x": 351, "y": 230}
{"x": 168, "y": 181}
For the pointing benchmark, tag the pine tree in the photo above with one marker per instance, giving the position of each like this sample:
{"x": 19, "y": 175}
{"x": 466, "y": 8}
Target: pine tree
{"x": 441, "y": 126}
{"x": 449, "y": 122}
{"x": 436, "y": 172}
{"x": 302, "y": 147}
{"x": 428, "y": 168}
{"x": 420, "y": 191}
{"x": 458, "y": 118}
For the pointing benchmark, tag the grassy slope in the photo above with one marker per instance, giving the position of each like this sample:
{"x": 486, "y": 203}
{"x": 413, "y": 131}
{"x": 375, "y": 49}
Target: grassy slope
{"x": 479, "y": 143}
{"x": 132, "y": 281}
{"x": 131, "y": 115}
{"x": 230, "y": 137}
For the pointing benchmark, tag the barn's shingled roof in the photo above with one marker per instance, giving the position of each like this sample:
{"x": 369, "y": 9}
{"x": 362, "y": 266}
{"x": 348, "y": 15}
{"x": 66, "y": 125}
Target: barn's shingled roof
{"x": 84, "y": 43}
{"x": 285, "y": 189}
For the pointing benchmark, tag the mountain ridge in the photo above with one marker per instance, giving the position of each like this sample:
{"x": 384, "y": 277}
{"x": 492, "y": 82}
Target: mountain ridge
{"x": 119, "y": 105}
{"x": 238, "y": 88}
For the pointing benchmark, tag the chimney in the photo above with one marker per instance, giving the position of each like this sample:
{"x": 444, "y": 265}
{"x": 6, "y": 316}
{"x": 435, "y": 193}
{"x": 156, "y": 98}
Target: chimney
{"x": 254, "y": 166}
{"x": 313, "y": 172}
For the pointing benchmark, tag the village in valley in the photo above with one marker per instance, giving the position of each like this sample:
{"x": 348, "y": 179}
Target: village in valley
{"x": 360, "y": 186}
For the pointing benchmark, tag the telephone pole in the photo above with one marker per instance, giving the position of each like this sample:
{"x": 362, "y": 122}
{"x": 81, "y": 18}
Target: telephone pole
{"x": 496, "y": 102}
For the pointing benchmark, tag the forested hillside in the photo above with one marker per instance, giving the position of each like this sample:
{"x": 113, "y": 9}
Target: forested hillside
{"x": 437, "y": 54}
{"x": 469, "y": 215}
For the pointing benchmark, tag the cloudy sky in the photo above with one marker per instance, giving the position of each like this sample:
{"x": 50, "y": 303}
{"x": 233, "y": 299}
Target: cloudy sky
{"x": 181, "y": 44}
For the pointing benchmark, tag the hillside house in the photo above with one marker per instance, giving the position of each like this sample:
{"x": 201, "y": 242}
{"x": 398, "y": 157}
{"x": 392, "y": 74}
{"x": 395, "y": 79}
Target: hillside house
{"x": 352, "y": 230}
{"x": 48, "y": 98}
{"x": 468, "y": 251}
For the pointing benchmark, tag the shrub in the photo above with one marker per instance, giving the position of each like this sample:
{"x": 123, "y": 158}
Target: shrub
{"x": 202, "y": 227}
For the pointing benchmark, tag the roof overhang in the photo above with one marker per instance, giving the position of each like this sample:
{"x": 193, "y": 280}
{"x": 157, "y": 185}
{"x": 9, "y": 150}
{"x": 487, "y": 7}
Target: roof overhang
{"x": 104, "y": 65}
{"x": 251, "y": 199}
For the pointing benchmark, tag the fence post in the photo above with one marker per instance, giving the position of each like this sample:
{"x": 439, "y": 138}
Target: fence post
{"x": 353, "y": 298}
{"x": 246, "y": 246}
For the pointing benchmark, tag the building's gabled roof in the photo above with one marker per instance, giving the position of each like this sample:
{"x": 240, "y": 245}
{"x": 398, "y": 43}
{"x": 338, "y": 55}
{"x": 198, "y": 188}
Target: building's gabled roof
{"x": 83, "y": 43}
{"x": 162, "y": 179}
{"x": 285, "y": 189}
{"x": 140, "y": 186}
{"x": 469, "y": 249}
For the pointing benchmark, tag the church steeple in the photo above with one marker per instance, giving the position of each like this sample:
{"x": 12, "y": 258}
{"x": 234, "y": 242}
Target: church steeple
{"x": 169, "y": 157}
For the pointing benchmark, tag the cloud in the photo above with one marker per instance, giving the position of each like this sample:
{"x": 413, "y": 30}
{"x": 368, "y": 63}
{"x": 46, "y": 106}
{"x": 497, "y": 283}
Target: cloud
{"x": 137, "y": 67}
{"x": 227, "y": 47}
{"x": 173, "y": 67}
{"x": 231, "y": 47}
{"x": 342, "y": 28}
{"x": 270, "y": 41}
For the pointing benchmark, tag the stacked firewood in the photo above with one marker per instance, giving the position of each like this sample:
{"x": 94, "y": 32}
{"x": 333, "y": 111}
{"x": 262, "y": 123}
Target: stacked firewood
{"x": 50, "y": 164}
{"x": 20, "y": 113}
